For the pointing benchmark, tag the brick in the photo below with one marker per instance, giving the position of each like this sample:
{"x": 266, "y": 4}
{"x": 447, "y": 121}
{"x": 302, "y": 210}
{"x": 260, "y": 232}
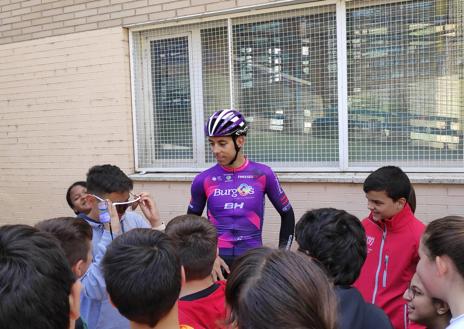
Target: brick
{"x": 30, "y": 3}
{"x": 62, "y": 3}
{"x": 148, "y": 10}
{"x": 205, "y": 2}
{"x": 52, "y": 26}
{"x": 73, "y": 22}
{"x": 32, "y": 29}
{"x": 220, "y": 6}
{"x": 74, "y": 8}
{"x": 42, "y": 21}
{"x": 110, "y": 23}
{"x": 98, "y": 18}
{"x": 64, "y": 30}
{"x": 162, "y": 15}
{"x": 13, "y": 19}
{"x": 4, "y": 3}
{"x": 123, "y": 13}
{"x": 11, "y": 33}
{"x": 190, "y": 11}
{"x": 5, "y": 27}
{"x": 5, "y": 14}
{"x": 42, "y": 7}
{"x": 135, "y": 19}
{"x": 13, "y": 6}
{"x": 86, "y": 13}
{"x": 135, "y": 4}
{"x": 31, "y": 16}
{"x": 6, "y": 40}
{"x": 99, "y": 3}
{"x": 20, "y": 11}
{"x": 109, "y": 9}
{"x": 21, "y": 37}
{"x": 176, "y": 5}
{"x": 42, "y": 34}
{"x": 20, "y": 25}
{"x": 52, "y": 12}
{"x": 86, "y": 27}
{"x": 63, "y": 17}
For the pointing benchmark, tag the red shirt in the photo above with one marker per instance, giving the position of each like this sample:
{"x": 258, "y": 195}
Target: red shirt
{"x": 204, "y": 309}
{"x": 392, "y": 256}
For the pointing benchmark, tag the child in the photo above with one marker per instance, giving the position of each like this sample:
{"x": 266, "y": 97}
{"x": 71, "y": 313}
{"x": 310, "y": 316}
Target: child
{"x": 76, "y": 197}
{"x": 431, "y": 312}
{"x": 393, "y": 235}
{"x": 37, "y": 287}
{"x": 202, "y": 301}
{"x": 110, "y": 184}
{"x": 338, "y": 241}
{"x": 75, "y": 237}
{"x": 279, "y": 289}
{"x": 441, "y": 265}
{"x": 143, "y": 276}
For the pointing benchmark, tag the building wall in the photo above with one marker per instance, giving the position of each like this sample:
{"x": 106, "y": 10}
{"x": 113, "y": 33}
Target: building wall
{"x": 64, "y": 106}
{"x": 31, "y": 19}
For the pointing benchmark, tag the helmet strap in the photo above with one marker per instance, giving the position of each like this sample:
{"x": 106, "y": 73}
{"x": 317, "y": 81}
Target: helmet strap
{"x": 237, "y": 149}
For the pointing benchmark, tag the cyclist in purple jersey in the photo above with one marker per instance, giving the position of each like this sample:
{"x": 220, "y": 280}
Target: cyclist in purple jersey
{"x": 233, "y": 190}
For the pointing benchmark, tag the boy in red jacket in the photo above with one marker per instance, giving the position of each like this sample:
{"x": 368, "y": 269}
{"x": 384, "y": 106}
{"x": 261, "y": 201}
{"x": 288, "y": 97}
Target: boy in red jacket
{"x": 202, "y": 301}
{"x": 393, "y": 234}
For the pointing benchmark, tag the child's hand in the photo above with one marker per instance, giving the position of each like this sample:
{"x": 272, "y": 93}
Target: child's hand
{"x": 149, "y": 209}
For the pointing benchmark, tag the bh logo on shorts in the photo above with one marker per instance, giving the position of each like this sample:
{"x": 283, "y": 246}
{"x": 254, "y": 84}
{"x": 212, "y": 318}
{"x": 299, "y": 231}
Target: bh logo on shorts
{"x": 245, "y": 189}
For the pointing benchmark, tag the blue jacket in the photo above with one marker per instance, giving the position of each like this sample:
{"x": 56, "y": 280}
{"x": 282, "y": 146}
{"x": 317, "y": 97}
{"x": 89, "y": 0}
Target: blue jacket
{"x": 96, "y": 308}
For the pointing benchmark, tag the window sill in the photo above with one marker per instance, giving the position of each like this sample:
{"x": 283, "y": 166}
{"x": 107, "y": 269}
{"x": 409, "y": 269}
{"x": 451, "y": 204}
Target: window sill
{"x": 325, "y": 177}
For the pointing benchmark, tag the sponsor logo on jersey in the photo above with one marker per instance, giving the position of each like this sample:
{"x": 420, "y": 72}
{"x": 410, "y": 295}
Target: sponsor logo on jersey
{"x": 242, "y": 190}
{"x": 246, "y": 177}
{"x": 228, "y": 178}
{"x": 234, "y": 205}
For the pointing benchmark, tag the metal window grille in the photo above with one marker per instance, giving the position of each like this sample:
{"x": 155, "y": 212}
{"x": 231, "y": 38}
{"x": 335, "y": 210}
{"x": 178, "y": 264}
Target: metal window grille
{"x": 405, "y": 87}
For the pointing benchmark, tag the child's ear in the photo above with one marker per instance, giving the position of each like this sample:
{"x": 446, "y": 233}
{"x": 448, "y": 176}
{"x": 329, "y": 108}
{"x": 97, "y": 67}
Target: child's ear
{"x": 441, "y": 307}
{"x": 74, "y": 301}
{"x": 401, "y": 202}
{"x": 77, "y": 268}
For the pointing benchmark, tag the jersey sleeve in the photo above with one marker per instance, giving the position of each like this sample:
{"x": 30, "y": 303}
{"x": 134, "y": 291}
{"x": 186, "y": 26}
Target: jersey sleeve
{"x": 197, "y": 197}
{"x": 276, "y": 193}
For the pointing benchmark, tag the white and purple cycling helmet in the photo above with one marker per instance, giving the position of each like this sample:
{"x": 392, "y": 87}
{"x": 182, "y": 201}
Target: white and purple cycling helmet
{"x": 227, "y": 122}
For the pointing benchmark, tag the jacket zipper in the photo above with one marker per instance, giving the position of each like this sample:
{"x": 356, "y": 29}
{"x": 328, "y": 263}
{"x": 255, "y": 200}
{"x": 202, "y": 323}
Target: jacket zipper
{"x": 384, "y": 278}
{"x": 379, "y": 266}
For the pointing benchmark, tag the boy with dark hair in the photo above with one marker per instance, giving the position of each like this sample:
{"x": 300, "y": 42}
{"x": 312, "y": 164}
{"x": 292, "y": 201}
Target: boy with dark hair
{"x": 338, "y": 241}
{"x": 109, "y": 195}
{"x": 393, "y": 235}
{"x": 37, "y": 287}
{"x": 75, "y": 237}
{"x": 202, "y": 301}
{"x": 143, "y": 276}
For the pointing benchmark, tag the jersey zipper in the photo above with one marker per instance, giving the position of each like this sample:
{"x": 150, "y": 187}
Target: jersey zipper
{"x": 384, "y": 278}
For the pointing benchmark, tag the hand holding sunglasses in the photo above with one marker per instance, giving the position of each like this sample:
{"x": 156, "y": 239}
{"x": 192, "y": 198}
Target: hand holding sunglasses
{"x": 149, "y": 209}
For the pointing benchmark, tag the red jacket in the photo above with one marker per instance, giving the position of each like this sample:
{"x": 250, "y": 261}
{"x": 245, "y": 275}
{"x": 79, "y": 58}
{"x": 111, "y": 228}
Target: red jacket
{"x": 392, "y": 256}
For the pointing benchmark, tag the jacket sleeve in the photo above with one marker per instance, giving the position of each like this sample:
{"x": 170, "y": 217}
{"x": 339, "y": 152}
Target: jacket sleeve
{"x": 93, "y": 283}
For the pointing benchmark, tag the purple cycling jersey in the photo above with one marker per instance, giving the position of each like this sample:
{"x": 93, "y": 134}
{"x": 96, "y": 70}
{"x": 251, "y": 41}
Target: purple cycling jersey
{"x": 235, "y": 203}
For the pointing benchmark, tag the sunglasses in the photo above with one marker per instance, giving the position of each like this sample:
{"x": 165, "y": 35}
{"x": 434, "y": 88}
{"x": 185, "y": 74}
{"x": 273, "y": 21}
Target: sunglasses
{"x": 121, "y": 207}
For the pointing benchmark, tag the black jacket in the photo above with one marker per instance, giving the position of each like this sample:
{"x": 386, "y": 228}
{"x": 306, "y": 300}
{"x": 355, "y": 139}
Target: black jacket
{"x": 355, "y": 313}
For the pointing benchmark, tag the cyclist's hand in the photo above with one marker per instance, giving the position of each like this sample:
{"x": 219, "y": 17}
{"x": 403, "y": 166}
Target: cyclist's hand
{"x": 216, "y": 273}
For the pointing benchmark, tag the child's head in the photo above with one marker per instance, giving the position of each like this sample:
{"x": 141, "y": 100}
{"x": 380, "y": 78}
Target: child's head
{"x": 37, "y": 286}
{"x": 441, "y": 254}
{"x": 75, "y": 237}
{"x": 76, "y": 197}
{"x": 108, "y": 182}
{"x": 336, "y": 239}
{"x": 279, "y": 289}
{"x": 422, "y": 308}
{"x": 143, "y": 275}
{"x": 195, "y": 239}
{"x": 388, "y": 190}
